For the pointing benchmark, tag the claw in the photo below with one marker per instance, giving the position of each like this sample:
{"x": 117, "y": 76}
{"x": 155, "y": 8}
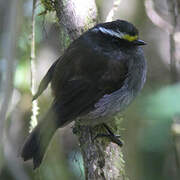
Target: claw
{"x": 115, "y": 139}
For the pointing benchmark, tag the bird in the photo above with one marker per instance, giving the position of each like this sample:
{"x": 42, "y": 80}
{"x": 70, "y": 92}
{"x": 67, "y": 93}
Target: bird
{"x": 98, "y": 76}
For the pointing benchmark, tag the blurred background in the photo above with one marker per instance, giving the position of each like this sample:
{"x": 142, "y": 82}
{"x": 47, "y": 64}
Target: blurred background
{"x": 150, "y": 146}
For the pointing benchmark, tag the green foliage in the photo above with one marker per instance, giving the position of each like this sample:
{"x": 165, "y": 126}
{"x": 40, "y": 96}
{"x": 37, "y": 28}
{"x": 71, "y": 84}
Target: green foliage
{"x": 22, "y": 80}
{"x": 160, "y": 108}
{"x": 164, "y": 104}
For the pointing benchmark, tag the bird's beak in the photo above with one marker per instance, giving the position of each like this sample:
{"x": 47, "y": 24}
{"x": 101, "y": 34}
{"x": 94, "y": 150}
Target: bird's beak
{"x": 139, "y": 42}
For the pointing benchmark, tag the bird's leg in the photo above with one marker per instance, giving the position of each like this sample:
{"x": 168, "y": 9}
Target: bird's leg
{"x": 113, "y": 138}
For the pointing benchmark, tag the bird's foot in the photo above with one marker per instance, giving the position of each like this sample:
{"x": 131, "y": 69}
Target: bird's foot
{"x": 114, "y": 138}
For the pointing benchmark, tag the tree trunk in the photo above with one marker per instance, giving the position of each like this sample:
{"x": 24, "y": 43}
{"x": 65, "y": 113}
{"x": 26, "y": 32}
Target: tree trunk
{"x": 103, "y": 160}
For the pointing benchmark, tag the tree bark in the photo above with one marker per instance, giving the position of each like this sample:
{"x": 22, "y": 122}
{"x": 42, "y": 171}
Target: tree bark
{"x": 103, "y": 160}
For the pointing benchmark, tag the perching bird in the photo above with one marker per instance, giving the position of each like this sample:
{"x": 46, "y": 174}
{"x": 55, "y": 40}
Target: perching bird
{"x": 98, "y": 76}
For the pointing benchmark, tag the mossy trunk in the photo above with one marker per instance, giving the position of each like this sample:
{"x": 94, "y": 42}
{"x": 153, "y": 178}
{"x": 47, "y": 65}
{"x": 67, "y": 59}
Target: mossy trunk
{"x": 103, "y": 160}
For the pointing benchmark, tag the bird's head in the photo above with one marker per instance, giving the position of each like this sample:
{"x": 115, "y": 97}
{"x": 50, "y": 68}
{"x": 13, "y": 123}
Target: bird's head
{"x": 120, "y": 30}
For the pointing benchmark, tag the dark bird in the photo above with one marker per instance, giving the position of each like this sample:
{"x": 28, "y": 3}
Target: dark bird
{"x": 98, "y": 76}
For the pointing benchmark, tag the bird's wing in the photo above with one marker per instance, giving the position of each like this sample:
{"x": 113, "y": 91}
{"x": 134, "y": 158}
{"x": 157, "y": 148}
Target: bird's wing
{"x": 80, "y": 92}
{"x": 58, "y": 65}
{"x": 77, "y": 98}
{"x": 46, "y": 80}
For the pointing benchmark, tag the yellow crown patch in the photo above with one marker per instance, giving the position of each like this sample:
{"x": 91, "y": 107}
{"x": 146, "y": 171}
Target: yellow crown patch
{"x": 130, "y": 38}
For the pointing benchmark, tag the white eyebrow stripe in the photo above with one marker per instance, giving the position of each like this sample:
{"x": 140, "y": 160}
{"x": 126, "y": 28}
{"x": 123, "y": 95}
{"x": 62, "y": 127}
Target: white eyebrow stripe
{"x": 110, "y": 32}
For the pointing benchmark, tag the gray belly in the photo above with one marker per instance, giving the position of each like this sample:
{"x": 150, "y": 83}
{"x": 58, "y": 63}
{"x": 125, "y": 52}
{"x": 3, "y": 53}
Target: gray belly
{"x": 111, "y": 104}
{"x": 108, "y": 106}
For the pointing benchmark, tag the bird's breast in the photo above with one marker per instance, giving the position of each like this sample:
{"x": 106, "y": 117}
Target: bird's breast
{"x": 110, "y": 104}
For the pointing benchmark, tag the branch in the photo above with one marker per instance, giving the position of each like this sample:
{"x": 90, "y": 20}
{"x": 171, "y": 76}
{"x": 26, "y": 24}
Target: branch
{"x": 76, "y": 16}
{"x": 155, "y": 17}
{"x": 102, "y": 160}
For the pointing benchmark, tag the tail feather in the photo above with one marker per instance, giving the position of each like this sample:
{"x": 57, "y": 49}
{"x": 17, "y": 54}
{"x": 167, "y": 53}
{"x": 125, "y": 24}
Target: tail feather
{"x": 45, "y": 81}
{"x": 33, "y": 147}
{"x": 37, "y": 142}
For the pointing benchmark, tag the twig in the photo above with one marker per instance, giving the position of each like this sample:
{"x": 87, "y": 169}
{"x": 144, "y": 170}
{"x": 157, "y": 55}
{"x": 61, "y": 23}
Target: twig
{"x": 35, "y": 108}
{"x": 169, "y": 28}
{"x": 155, "y": 17}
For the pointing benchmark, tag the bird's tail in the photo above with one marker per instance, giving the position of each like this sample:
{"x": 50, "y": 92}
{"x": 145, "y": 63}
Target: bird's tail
{"x": 37, "y": 142}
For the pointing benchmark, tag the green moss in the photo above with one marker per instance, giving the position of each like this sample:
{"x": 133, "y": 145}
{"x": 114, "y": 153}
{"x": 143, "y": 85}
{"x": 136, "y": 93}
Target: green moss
{"x": 89, "y": 23}
{"x": 48, "y": 5}
{"x": 66, "y": 39}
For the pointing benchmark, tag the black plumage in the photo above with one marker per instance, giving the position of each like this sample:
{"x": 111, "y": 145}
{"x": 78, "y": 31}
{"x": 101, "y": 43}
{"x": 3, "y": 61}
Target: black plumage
{"x": 98, "y": 75}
